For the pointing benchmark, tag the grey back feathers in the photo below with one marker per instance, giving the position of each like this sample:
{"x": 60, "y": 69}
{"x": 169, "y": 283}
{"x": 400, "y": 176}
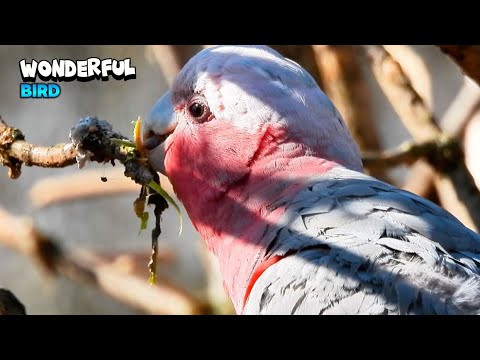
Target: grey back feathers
{"x": 356, "y": 245}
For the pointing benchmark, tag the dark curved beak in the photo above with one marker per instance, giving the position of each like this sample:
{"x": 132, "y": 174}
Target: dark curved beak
{"x": 151, "y": 141}
{"x": 160, "y": 123}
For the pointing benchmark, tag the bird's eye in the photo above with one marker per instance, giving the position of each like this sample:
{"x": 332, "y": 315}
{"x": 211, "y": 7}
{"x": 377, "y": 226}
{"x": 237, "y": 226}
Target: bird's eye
{"x": 197, "y": 110}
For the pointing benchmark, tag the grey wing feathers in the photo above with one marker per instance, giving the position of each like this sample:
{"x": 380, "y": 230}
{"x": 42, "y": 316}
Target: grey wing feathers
{"x": 361, "y": 246}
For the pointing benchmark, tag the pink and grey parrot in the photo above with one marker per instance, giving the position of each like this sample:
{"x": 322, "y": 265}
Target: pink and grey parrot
{"x": 274, "y": 183}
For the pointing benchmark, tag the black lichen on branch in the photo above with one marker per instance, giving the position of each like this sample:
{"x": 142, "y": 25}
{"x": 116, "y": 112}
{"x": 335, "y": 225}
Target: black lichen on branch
{"x": 92, "y": 139}
{"x": 95, "y": 140}
{"x": 442, "y": 153}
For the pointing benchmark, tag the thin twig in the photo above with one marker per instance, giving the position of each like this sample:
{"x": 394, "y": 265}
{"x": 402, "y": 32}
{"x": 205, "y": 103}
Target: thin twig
{"x": 467, "y": 57}
{"x": 420, "y": 122}
{"x": 442, "y": 153}
{"x": 133, "y": 262}
{"x": 21, "y": 235}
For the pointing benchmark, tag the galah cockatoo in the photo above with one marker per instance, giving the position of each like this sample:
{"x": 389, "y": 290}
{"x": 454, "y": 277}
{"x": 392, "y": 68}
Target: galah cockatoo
{"x": 274, "y": 183}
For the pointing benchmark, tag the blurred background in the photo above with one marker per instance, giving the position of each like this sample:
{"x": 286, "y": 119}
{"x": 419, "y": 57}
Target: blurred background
{"x": 105, "y": 225}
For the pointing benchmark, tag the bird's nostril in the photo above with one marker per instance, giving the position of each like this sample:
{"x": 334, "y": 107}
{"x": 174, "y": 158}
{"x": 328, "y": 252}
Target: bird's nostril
{"x": 151, "y": 141}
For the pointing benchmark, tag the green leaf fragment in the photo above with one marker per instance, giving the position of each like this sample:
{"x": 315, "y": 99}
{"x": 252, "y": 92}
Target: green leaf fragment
{"x": 143, "y": 222}
{"x": 167, "y": 197}
{"x": 139, "y": 208}
{"x": 151, "y": 279}
{"x": 126, "y": 143}
{"x": 152, "y": 265}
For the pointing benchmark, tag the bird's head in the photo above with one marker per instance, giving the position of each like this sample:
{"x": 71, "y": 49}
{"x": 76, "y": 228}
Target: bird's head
{"x": 233, "y": 107}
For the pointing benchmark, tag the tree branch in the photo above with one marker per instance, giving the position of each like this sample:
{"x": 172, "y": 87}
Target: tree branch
{"x": 92, "y": 140}
{"x": 409, "y": 106}
{"x": 420, "y": 179}
{"x": 461, "y": 109}
{"x": 344, "y": 84}
{"x": 415, "y": 68}
{"x": 453, "y": 123}
{"x": 442, "y": 153}
{"x": 467, "y": 57}
{"x": 80, "y": 185}
{"x": 14, "y": 151}
{"x": 52, "y": 190}
{"x": 471, "y": 146}
{"x": 419, "y": 120}
{"x": 21, "y": 235}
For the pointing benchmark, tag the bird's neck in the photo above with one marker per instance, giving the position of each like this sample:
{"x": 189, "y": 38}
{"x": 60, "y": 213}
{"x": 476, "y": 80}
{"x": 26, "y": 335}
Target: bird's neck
{"x": 234, "y": 222}
{"x": 236, "y": 191}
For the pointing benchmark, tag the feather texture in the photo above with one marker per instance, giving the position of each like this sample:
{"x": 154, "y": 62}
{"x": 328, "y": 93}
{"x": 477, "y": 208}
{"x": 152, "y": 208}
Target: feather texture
{"x": 387, "y": 252}
{"x": 273, "y": 182}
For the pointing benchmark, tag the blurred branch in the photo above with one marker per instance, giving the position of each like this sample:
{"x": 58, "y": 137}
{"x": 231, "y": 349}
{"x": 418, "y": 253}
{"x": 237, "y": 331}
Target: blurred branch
{"x": 472, "y": 147}
{"x": 93, "y": 140}
{"x": 467, "y": 57}
{"x": 86, "y": 184}
{"x": 9, "y": 304}
{"x": 21, "y": 235}
{"x": 443, "y": 153}
{"x": 172, "y": 58}
{"x": 453, "y": 123}
{"x": 409, "y": 106}
{"x": 465, "y": 200}
{"x": 133, "y": 262}
{"x": 418, "y": 73}
{"x": 343, "y": 83}
{"x": 415, "y": 68}
{"x": 420, "y": 179}
{"x": 461, "y": 109}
